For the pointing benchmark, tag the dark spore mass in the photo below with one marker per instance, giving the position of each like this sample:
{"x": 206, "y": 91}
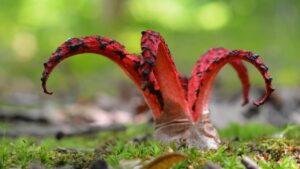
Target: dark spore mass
{"x": 44, "y": 76}
{"x": 58, "y": 50}
{"x": 103, "y": 45}
{"x": 75, "y": 47}
{"x": 234, "y": 53}
{"x": 152, "y": 54}
{"x": 145, "y": 73}
{"x": 120, "y": 53}
{"x": 136, "y": 65}
{"x": 112, "y": 42}
{"x": 69, "y": 40}
{"x": 254, "y": 57}
{"x": 215, "y": 59}
{"x": 193, "y": 107}
{"x": 156, "y": 92}
{"x": 148, "y": 61}
{"x": 269, "y": 79}
{"x": 263, "y": 68}
{"x": 151, "y": 40}
{"x": 145, "y": 48}
{"x": 197, "y": 92}
{"x": 57, "y": 57}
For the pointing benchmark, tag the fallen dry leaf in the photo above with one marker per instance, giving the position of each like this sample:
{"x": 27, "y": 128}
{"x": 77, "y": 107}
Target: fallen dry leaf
{"x": 165, "y": 161}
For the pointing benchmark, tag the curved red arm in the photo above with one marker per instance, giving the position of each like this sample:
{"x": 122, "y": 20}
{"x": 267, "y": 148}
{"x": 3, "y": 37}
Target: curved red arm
{"x": 208, "y": 66}
{"x": 243, "y": 75}
{"x": 131, "y": 64}
{"x": 212, "y": 55}
{"x": 157, "y": 59}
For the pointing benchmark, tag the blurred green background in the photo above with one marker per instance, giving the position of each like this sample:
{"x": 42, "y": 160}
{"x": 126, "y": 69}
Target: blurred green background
{"x": 32, "y": 29}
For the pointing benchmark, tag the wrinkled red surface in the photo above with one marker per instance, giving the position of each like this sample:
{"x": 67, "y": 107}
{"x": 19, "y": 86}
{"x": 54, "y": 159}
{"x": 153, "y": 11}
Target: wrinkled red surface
{"x": 156, "y": 76}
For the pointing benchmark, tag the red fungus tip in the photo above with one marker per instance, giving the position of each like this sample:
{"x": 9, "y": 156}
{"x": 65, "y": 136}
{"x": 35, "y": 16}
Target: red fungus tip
{"x": 263, "y": 100}
{"x": 259, "y": 103}
{"x": 245, "y": 102}
{"x": 45, "y": 89}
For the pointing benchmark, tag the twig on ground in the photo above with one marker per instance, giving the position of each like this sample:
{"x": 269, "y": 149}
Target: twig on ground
{"x": 249, "y": 164}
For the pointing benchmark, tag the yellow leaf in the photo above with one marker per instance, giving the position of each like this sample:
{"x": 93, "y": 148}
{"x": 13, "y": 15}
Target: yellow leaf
{"x": 165, "y": 161}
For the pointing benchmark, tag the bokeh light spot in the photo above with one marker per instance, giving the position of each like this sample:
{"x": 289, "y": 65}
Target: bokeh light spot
{"x": 131, "y": 39}
{"x": 213, "y": 16}
{"x": 168, "y": 13}
{"x": 24, "y": 45}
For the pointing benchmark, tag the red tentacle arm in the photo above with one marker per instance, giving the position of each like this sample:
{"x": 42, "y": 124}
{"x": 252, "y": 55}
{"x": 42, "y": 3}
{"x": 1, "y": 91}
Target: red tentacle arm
{"x": 238, "y": 65}
{"x": 206, "y": 70}
{"x": 157, "y": 59}
{"x": 209, "y": 56}
{"x": 109, "y": 48}
{"x": 243, "y": 76}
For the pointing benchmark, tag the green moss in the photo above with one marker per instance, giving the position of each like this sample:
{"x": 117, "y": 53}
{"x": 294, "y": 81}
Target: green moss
{"x": 81, "y": 151}
{"x": 247, "y": 132}
{"x": 4, "y": 126}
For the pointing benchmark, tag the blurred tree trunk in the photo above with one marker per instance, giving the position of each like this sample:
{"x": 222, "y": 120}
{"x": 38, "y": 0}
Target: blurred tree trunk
{"x": 113, "y": 11}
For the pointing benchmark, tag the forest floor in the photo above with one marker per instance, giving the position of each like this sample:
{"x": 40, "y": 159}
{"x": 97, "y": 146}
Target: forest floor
{"x": 37, "y": 132}
{"x": 268, "y": 146}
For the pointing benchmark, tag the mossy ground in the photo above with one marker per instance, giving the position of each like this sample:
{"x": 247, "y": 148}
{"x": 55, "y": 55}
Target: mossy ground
{"x": 271, "y": 147}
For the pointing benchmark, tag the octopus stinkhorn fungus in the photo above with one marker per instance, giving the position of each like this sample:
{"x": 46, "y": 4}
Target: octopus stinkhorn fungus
{"x": 179, "y": 104}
